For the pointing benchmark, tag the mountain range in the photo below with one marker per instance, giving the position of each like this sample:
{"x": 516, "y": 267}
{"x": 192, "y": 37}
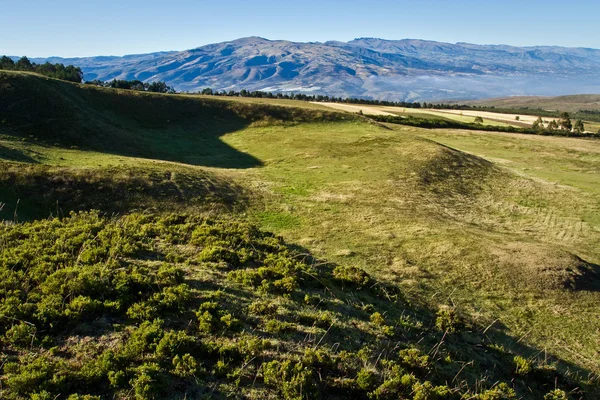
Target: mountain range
{"x": 408, "y": 70}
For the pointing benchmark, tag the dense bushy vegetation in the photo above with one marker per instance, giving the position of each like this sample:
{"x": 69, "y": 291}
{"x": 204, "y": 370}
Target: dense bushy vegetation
{"x": 59, "y": 71}
{"x": 181, "y": 306}
{"x": 307, "y": 97}
{"x": 155, "y": 87}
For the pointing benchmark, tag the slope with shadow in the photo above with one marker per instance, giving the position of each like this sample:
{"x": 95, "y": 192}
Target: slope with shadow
{"x": 183, "y": 129}
{"x": 89, "y": 147}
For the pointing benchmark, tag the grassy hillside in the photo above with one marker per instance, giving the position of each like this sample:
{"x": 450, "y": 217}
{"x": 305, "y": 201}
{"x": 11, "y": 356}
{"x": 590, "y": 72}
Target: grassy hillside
{"x": 57, "y": 128}
{"x": 502, "y": 233}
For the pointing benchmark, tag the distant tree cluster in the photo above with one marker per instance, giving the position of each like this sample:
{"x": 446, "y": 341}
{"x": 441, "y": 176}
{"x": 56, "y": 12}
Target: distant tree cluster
{"x": 156, "y": 87}
{"x": 306, "y": 97}
{"x": 59, "y": 71}
{"x": 552, "y": 128}
{"x": 564, "y": 124}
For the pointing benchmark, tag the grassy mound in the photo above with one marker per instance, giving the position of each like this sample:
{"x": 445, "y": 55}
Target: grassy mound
{"x": 184, "y": 306}
{"x": 38, "y": 191}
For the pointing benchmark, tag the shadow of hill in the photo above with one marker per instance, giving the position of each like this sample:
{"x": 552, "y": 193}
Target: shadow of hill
{"x": 588, "y": 277}
{"x": 15, "y": 155}
{"x": 174, "y": 128}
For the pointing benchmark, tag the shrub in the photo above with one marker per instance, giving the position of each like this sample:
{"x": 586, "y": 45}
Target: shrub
{"x": 144, "y": 339}
{"x": 174, "y": 343}
{"x": 169, "y": 275}
{"x": 43, "y": 395}
{"x": 352, "y": 276}
{"x": 378, "y": 320}
{"x": 426, "y": 391}
{"x": 211, "y": 318}
{"x": 147, "y": 382}
{"x": 263, "y": 308}
{"x": 21, "y": 335}
{"x": 447, "y": 320}
{"x": 366, "y": 379}
{"x": 184, "y": 366}
{"x": 83, "y": 306}
{"x": 500, "y": 392}
{"x": 396, "y": 387}
{"x": 522, "y": 366}
{"x": 556, "y": 394}
{"x": 35, "y": 376}
{"x": 322, "y": 319}
{"x": 293, "y": 380}
{"x": 274, "y": 326}
{"x": 414, "y": 359}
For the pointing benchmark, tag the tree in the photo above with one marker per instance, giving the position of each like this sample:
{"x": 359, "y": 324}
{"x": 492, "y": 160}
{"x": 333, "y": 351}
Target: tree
{"x": 579, "y": 127}
{"x": 58, "y": 71}
{"x": 552, "y": 125}
{"x": 159, "y": 87}
{"x": 478, "y": 120}
{"x": 517, "y": 118}
{"x": 207, "y": 91}
{"x": 538, "y": 125}
{"x": 565, "y": 122}
{"x": 24, "y": 64}
{"x": 7, "y": 63}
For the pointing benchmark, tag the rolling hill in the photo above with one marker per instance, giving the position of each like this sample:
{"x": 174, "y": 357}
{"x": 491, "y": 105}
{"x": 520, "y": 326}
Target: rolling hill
{"x": 404, "y": 262}
{"x": 413, "y": 70}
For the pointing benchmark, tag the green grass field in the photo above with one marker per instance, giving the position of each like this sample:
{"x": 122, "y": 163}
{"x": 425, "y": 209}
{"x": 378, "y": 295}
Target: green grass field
{"x": 503, "y": 228}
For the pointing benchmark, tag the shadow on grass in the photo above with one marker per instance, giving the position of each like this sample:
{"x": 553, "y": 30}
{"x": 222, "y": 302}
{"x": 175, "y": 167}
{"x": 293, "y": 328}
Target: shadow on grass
{"x": 176, "y": 128}
{"x": 9, "y": 154}
{"x": 589, "y": 277}
{"x": 127, "y": 123}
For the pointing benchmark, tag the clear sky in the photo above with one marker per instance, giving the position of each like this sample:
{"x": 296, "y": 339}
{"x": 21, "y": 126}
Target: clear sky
{"x": 68, "y": 28}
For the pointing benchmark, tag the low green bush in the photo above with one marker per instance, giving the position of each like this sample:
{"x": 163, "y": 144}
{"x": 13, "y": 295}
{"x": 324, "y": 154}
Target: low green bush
{"x": 556, "y": 394}
{"x": 293, "y": 380}
{"x": 522, "y": 366}
{"x": 447, "y": 320}
{"x": 351, "y": 276}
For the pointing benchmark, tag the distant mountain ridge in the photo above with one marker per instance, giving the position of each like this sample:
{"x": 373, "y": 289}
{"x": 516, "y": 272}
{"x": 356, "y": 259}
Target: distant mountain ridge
{"x": 408, "y": 69}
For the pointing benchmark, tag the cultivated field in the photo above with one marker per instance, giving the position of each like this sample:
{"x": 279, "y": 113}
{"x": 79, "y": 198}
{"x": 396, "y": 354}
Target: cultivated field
{"x": 366, "y": 109}
{"x": 467, "y": 116}
{"x": 508, "y": 118}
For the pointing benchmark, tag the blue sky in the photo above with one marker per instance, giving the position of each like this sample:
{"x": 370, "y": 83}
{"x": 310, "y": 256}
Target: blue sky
{"x": 69, "y": 28}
